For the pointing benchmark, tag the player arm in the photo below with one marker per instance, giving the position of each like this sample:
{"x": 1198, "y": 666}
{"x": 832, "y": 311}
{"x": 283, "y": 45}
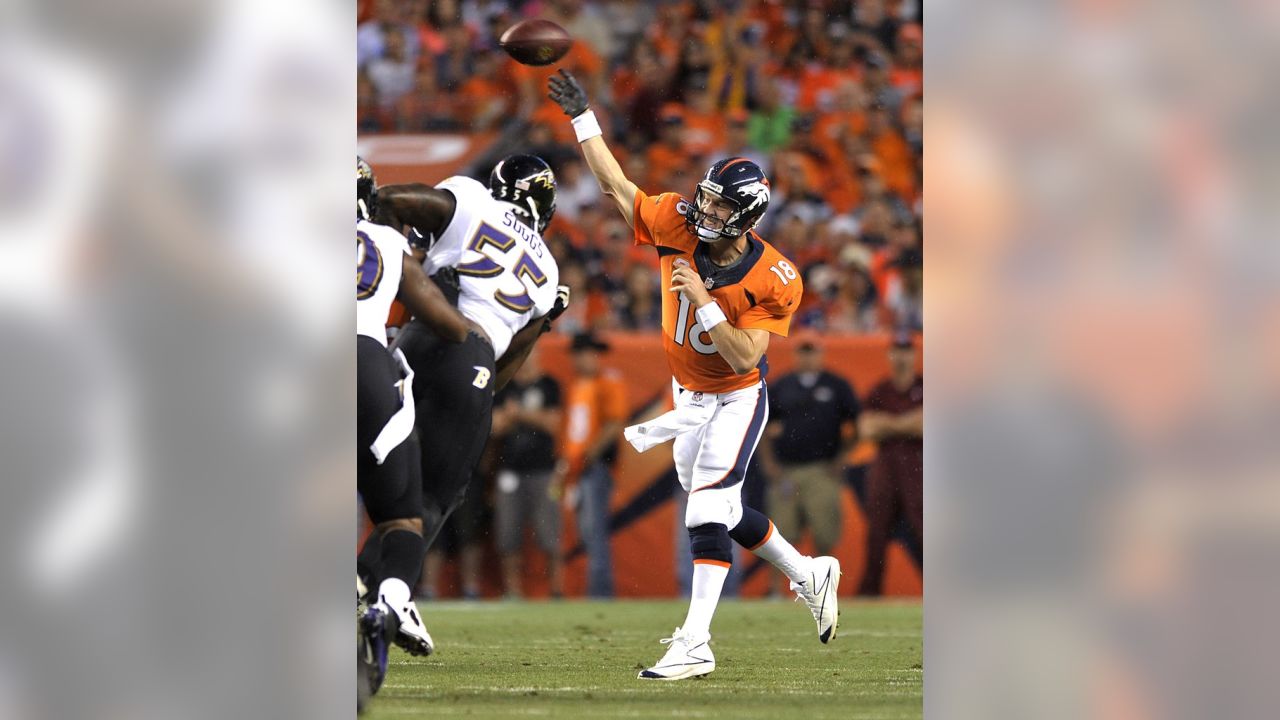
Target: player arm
{"x": 546, "y": 419}
{"x": 423, "y": 207}
{"x": 910, "y": 423}
{"x": 426, "y": 302}
{"x": 569, "y": 95}
{"x": 522, "y": 344}
{"x": 519, "y": 349}
{"x": 742, "y": 348}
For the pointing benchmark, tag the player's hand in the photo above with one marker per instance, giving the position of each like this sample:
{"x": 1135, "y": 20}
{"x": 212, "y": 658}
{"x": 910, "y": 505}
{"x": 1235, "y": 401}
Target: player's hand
{"x": 568, "y": 93}
{"x": 685, "y": 280}
{"x": 561, "y": 304}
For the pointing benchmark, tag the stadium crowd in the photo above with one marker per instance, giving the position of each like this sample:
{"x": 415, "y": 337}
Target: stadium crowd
{"x": 825, "y": 95}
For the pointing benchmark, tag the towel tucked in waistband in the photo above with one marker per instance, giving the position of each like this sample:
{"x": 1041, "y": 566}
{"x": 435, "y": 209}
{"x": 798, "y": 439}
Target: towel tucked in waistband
{"x": 692, "y": 411}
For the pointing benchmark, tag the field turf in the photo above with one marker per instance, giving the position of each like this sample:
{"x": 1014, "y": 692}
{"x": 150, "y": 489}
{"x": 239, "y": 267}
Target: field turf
{"x": 579, "y": 659}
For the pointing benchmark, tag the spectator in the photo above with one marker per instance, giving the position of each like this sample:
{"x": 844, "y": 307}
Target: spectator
{"x": 870, "y": 18}
{"x": 770, "y": 125}
{"x": 485, "y": 102}
{"x": 389, "y": 18}
{"x": 392, "y": 74}
{"x": 585, "y": 24}
{"x": 640, "y": 307}
{"x": 894, "y": 419}
{"x": 526, "y": 421}
{"x": 908, "y": 71}
{"x": 596, "y": 408}
{"x": 703, "y": 121}
{"x": 736, "y": 141}
{"x": 640, "y": 88}
{"x": 813, "y": 415}
{"x": 670, "y": 153}
{"x": 576, "y": 188}
{"x": 905, "y": 300}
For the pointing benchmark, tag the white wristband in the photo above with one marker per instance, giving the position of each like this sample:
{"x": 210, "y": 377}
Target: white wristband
{"x": 710, "y": 315}
{"x": 586, "y": 126}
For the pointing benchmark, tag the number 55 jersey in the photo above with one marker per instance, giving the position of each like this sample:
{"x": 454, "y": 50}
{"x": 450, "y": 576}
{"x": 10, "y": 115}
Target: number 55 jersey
{"x": 761, "y": 290}
{"x": 506, "y": 274}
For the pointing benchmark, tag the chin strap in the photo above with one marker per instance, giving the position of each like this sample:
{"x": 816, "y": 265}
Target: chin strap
{"x": 533, "y": 212}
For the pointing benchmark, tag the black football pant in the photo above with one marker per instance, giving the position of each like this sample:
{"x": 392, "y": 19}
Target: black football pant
{"x": 390, "y": 490}
{"x": 453, "y": 388}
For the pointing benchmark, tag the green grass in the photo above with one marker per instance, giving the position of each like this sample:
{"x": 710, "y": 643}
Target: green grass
{"x": 580, "y": 659}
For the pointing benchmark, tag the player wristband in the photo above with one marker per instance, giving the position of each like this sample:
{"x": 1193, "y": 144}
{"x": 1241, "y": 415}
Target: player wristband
{"x": 586, "y": 126}
{"x": 710, "y": 315}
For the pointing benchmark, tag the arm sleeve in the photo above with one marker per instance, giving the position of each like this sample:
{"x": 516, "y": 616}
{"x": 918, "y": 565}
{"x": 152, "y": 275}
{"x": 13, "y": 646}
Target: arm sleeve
{"x": 645, "y": 216}
{"x": 655, "y": 215}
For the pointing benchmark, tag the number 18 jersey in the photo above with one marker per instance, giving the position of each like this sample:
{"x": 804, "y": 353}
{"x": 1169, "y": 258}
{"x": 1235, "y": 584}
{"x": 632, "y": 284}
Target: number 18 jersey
{"x": 506, "y": 273}
{"x": 761, "y": 290}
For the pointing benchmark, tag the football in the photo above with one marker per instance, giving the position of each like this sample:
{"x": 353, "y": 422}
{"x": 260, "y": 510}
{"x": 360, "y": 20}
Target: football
{"x": 535, "y": 42}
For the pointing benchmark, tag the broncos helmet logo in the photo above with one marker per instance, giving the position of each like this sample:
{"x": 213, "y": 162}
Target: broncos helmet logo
{"x": 757, "y": 190}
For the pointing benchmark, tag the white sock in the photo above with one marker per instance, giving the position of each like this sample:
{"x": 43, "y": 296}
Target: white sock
{"x": 394, "y": 593}
{"x": 783, "y": 555}
{"x": 708, "y": 580}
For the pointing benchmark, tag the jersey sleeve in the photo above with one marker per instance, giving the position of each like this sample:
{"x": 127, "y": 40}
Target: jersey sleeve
{"x": 468, "y": 192}
{"x": 776, "y": 300}
{"x": 655, "y": 216}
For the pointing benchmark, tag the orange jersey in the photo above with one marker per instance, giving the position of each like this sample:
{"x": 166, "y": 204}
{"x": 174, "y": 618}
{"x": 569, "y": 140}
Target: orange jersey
{"x": 590, "y": 403}
{"x": 761, "y": 291}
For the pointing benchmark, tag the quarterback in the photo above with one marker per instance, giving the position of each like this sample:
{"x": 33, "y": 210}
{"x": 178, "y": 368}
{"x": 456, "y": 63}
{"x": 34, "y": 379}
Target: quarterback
{"x": 725, "y": 290}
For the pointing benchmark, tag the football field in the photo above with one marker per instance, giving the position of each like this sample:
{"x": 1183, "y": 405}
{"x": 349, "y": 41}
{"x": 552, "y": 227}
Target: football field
{"x": 579, "y": 659}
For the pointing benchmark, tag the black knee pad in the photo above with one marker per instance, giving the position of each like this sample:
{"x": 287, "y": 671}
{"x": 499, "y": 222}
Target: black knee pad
{"x": 711, "y": 542}
{"x": 752, "y": 529}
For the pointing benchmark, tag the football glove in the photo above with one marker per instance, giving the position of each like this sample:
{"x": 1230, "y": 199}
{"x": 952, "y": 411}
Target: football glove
{"x": 568, "y": 94}
{"x": 557, "y": 309}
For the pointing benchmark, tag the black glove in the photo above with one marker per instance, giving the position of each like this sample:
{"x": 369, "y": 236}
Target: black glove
{"x": 557, "y": 309}
{"x": 568, "y": 94}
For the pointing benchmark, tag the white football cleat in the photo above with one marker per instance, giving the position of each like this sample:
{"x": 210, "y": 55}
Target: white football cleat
{"x": 411, "y": 635}
{"x": 688, "y": 656}
{"x": 818, "y": 591}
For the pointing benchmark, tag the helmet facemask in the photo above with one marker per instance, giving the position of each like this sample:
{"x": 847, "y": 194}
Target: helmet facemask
{"x": 704, "y": 224}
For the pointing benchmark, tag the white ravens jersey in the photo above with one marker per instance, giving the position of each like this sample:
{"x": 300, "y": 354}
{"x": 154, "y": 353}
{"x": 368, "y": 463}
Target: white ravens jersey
{"x": 506, "y": 273}
{"x": 380, "y": 254}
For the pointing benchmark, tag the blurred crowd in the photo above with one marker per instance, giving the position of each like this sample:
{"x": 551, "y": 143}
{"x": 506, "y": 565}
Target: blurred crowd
{"x": 824, "y": 94}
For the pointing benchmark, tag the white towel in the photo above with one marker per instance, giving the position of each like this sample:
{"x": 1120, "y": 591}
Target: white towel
{"x": 693, "y": 410}
{"x": 400, "y": 425}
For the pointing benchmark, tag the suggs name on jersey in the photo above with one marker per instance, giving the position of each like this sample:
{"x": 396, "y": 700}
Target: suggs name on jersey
{"x": 527, "y": 234}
